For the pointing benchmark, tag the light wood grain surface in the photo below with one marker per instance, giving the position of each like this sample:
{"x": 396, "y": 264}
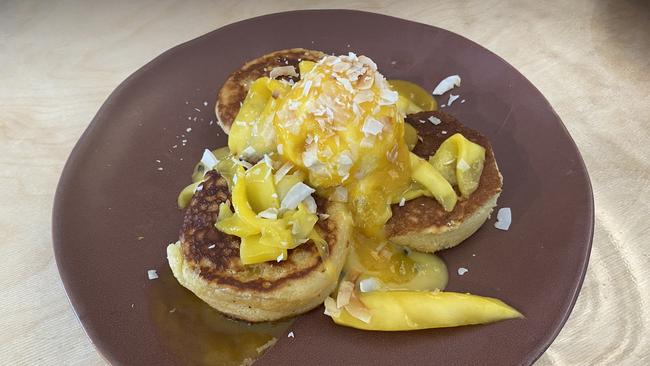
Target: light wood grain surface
{"x": 59, "y": 60}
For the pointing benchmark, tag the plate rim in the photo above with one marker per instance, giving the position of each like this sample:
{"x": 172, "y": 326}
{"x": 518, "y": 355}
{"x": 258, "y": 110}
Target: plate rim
{"x": 66, "y": 171}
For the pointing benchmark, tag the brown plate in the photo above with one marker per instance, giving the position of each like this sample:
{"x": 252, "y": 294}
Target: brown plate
{"x": 115, "y": 210}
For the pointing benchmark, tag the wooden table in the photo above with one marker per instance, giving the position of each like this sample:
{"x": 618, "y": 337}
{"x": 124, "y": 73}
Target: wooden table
{"x": 60, "y": 60}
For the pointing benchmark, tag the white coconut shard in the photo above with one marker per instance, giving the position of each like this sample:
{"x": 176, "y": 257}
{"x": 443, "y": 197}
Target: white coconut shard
{"x": 434, "y": 120}
{"x": 152, "y": 274}
{"x": 295, "y": 195}
{"x": 369, "y": 284}
{"x": 340, "y": 194}
{"x": 504, "y": 219}
{"x": 452, "y": 98}
{"x": 283, "y": 71}
{"x": 462, "y": 165}
{"x": 310, "y": 156}
{"x": 388, "y": 97}
{"x": 270, "y": 213}
{"x": 209, "y": 160}
{"x": 446, "y": 85}
{"x": 249, "y": 151}
{"x": 462, "y": 271}
{"x": 310, "y": 204}
{"x": 330, "y": 307}
{"x": 306, "y": 87}
{"x": 372, "y": 127}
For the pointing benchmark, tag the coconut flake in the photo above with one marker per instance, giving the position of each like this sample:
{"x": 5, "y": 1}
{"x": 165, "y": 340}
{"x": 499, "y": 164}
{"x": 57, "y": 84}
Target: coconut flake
{"x": 369, "y": 284}
{"x": 346, "y": 83}
{"x": 330, "y": 308}
{"x": 363, "y": 96}
{"x": 340, "y": 194}
{"x": 280, "y": 258}
{"x": 388, "y": 97}
{"x": 306, "y": 87}
{"x": 462, "y": 271}
{"x": 462, "y": 165}
{"x": 346, "y": 288}
{"x": 295, "y": 195}
{"x": 270, "y": 213}
{"x": 358, "y": 310}
{"x": 452, "y": 98}
{"x": 280, "y": 173}
{"x": 372, "y": 127}
{"x": 268, "y": 161}
{"x": 446, "y": 85}
{"x": 402, "y": 202}
{"x": 198, "y": 188}
{"x": 290, "y": 335}
{"x": 249, "y": 151}
{"x": 310, "y": 203}
{"x": 310, "y": 156}
{"x": 341, "y": 66}
{"x": 434, "y": 120}
{"x": 344, "y": 163}
{"x": 152, "y": 274}
{"x": 504, "y": 219}
{"x": 209, "y": 160}
{"x": 367, "y": 61}
{"x": 283, "y": 71}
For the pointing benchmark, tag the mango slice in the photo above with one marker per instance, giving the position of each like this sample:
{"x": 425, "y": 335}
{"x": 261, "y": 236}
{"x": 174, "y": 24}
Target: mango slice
{"x": 425, "y": 174}
{"x": 410, "y": 310}
{"x": 461, "y": 162}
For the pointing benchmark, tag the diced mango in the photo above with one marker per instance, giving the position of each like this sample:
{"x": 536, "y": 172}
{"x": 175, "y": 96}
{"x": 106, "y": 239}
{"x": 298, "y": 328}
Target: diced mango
{"x": 251, "y": 251}
{"x": 305, "y": 67}
{"x": 302, "y": 222}
{"x": 260, "y": 188}
{"x": 424, "y": 173}
{"x": 410, "y": 310}
{"x": 461, "y": 162}
{"x": 234, "y": 225}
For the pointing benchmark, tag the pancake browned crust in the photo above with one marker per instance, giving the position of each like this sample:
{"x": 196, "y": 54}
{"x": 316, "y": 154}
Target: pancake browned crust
{"x": 422, "y": 224}
{"x": 206, "y": 261}
{"x": 234, "y": 90}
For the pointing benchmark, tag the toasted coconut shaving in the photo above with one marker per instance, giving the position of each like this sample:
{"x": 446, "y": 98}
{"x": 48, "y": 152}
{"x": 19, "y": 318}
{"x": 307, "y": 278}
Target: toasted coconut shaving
{"x": 358, "y": 309}
{"x": 330, "y": 308}
{"x": 346, "y": 289}
{"x": 283, "y": 71}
